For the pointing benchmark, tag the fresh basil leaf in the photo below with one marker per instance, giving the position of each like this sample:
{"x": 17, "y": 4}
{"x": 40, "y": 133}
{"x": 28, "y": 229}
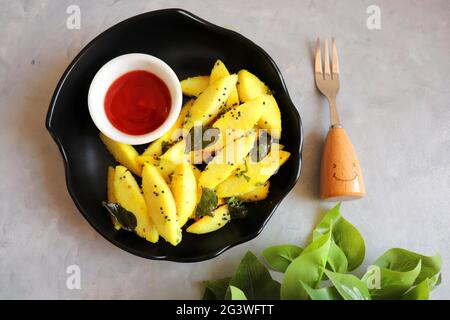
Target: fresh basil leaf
{"x": 419, "y": 292}
{"x": 279, "y": 257}
{"x": 345, "y": 235}
{"x": 236, "y": 208}
{"x": 392, "y": 284}
{"x": 349, "y": 286}
{"x": 207, "y": 204}
{"x": 126, "y": 218}
{"x": 234, "y": 293}
{"x": 253, "y": 278}
{"x": 403, "y": 260}
{"x": 200, "y": 137}
{"x": 337, "y": 260}
{"x": 325, "y": 293}
{"x": 216, "y": 289}
{"x": 306, "y": 268}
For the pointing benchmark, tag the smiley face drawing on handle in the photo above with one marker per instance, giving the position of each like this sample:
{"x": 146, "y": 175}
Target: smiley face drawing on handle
{"x": 340, "y": 173}
{"x": 342, "y": 179}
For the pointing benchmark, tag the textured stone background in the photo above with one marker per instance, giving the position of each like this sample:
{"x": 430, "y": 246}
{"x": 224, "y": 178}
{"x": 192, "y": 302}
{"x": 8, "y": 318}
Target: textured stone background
{"x": 394, "y": 103}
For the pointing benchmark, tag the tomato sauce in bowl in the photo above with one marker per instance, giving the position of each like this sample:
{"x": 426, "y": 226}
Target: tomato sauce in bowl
{"x": 135, "y": 98}
{"x": 138, "y": 102}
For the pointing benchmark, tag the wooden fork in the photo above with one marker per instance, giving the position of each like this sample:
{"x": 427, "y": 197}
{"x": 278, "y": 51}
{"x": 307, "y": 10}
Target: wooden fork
{"x": 340, "y": 173}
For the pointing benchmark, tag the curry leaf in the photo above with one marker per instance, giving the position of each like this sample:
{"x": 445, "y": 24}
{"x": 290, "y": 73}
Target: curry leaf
{"x": 208, "y": 295}
{"x": 306, "y": 268}
{"x": 330, "y": 217}
{"x": 165, "y": 145}
{"x": 236, "y": 208}
{"x": 253, "y": 278}
{"x": 337, "y": 261}
{"x": 403, "y": 260}
{"x": 348, "y": 238}
{"x": 234, "y": 293}
{"x": 325, "y": 293}
{"x": 126, "y": 218}
{"x": 279, "y": 257}
{"x": 436, "y": 280}
{"x": 207, "y": 204}
{"x": 200, "y": 137}
{"x": 419, "y": 292}
{"x": 401, "y": 269}
{"x": 216, "y": 289}
{"x": 349, "y": 286}
{"x": 262, "y": 147}
{"x": 345, "y": 235}
{"x": 392, "y": 283}
{"x": 336, "y": 247}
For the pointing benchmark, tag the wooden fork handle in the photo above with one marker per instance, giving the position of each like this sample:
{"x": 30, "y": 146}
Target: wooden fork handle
{"x": 340, "y": 173}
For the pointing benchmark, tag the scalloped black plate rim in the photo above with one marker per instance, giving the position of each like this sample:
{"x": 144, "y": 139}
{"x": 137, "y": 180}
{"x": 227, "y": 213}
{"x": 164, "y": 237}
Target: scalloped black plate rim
{"x": 66, "y": 163}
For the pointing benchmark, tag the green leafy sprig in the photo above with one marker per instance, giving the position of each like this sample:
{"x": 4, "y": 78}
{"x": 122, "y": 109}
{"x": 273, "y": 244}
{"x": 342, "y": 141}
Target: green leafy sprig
{"x": 321, "y": 270}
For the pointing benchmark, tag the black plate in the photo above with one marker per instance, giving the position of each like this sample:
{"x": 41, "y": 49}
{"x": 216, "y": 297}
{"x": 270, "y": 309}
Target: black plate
{"x": 190, "y": 46}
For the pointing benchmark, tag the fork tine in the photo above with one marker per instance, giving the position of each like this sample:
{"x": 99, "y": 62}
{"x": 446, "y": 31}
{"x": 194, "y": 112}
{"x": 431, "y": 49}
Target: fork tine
{"x": 326, "y": 60}
{"x": 318, "y": 65}
{"x": 334, "y": 60}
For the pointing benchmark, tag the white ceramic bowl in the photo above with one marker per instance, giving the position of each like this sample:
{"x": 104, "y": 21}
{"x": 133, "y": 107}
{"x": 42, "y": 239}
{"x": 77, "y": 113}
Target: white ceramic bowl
{"x": 116, "y": 68}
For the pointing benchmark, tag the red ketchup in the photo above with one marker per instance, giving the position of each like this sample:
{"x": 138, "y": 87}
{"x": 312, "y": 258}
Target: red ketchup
{"x": 137, "y": 102}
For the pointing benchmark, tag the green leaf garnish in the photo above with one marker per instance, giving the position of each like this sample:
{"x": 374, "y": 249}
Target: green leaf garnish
{"x": 349, "y": 286}
{"x": 216, "y": 289}
{"x": 165, "y": 145}
{"x": 325, "y": 293}
{"x": 236, "y": 208}
{"x": 207, "y": 204}
{"x": 337, "y": 260}
{"x": 419, "y": 292}
{"x": 126, "y": 218}
{"x": 280, "y": 257}
{"x": 393, "y": 283}
{"x": 403, "y": 260}
{"x": 306, "y": 268}
{"x": 400, "y": 269}
{"x": 345, "y": 235}
{"x": 234, "y": 293}
{"x": 336, "y": 248}
{"x": 253, "y": 278}
{"x": 242, "y": 173}
{"x": 200, "y": 137}
{"x": 262, "y": 147}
